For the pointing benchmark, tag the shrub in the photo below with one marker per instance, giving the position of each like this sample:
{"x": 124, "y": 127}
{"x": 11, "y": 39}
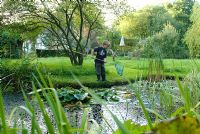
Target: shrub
{"x": 164, "y": 44}
{"x": 16, "y": 73}
{"x": 10, "y": 45}
{"x": 50, "y": 53}
{"x": 192, "y": 35}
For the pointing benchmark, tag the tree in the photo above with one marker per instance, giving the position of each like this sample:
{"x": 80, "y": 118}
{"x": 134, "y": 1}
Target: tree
{"x": 181, "y": 11}
{"x": 65, "y": 20}
{"x": 12, "y": 22}
{"x": 118, "y": 7}
{"x": 192, "y": 35}
{"x": 163, "y": 44}
{"x": 10, "y": 45}
{"x": 144, "y": 22}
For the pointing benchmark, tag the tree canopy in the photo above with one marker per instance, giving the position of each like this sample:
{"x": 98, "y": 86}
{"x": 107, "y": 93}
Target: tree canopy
{"x": 65, "y": 20}
{"x": 192, "y": 36}
{"x": 144, "y": 22}
{"x": 163, "y": 44}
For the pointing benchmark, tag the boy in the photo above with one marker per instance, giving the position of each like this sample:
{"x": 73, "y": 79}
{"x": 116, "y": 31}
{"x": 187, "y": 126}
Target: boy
{"x": 100, "y": 59}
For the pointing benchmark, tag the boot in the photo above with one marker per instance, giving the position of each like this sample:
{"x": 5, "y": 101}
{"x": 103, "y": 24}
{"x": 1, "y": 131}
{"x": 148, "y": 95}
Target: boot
{"x": 103, "y": 78}
{"x": 98, "y": 77}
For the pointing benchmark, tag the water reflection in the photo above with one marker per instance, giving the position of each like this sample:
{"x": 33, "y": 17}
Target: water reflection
{"x": 97, "y": 112}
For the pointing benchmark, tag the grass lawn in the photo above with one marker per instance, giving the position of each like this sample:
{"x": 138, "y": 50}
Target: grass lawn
{"x": 60, "y": 69}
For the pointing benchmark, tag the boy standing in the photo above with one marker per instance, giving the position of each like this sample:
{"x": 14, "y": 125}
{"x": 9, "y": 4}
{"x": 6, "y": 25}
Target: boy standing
{"x": 100, "y": 59}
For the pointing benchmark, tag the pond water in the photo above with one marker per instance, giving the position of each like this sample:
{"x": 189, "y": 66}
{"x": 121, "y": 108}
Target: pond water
{"x": 126, "y": 108}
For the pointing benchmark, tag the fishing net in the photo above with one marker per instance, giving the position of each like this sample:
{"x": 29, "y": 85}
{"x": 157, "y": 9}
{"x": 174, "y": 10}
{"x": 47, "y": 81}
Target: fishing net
{"x": 120, "y": 69}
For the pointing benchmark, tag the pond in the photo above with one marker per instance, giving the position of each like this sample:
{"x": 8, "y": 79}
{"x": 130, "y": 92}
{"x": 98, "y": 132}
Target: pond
{"x": 127, "y": 106}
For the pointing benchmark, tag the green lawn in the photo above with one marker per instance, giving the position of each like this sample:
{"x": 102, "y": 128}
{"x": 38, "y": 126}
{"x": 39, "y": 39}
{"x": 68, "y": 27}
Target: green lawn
{"x": 60, "y": 69}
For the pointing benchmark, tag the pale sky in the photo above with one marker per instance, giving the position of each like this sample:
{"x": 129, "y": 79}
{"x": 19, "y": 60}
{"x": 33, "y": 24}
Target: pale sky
{"x": 137, "y": 4}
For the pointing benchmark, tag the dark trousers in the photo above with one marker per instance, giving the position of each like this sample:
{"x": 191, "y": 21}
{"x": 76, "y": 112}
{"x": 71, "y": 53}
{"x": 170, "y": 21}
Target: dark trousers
{"x": 100, "y": 71}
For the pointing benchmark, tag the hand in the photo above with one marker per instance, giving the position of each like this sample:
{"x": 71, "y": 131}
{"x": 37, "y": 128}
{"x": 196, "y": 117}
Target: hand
{"x": 104, "y": 61}
{"x": 113, "y": 56}
{"x": 95, "y": 53}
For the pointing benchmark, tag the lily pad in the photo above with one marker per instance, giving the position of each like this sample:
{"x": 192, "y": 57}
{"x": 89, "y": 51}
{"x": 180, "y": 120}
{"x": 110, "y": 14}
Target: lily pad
{"x": 81, "y": 96}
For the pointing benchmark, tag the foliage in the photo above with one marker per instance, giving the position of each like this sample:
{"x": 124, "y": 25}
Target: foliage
{"x": 192, "y": 35}
{"x": 114, "y": 37}
{"x": 182, "y": 124}
{"x": 50, "y": 53}
{"x": 56, "y": 108}
{"x": 107, "y": 94}
{"x": 156, "y": 69}
{"x": 164, "y": 44}
{"x": 10, "y": 45}
{"x": 181, "y": 11}
{"x": 13, "y": 75}
{"x": 13, "y": 22}
{"x": 118, "y": 7}
{"x": 72, "y": 95}
{"x": 151, "y": 20}
{"x": 64, "y": 20}
{"x": 59, "y": 69}
{"x": 192, "y": 82}
{"x": 133, "y": 128}
{"x": 178, "y": 125}
{"x": 144, "y": 22}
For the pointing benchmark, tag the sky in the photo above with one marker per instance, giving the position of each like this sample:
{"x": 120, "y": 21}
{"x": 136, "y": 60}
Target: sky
{"x": 137, "y": 4}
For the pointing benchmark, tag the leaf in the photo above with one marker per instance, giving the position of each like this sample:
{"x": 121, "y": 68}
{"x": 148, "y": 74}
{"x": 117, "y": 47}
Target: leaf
{"x": 178, "y": 125}
{"x": 81, "y": 96}
{"x": 84, "y": 123}
{"x": 68, "y": 98}
{"x": 122, "y": 127}
{"x": 132, "y": 128}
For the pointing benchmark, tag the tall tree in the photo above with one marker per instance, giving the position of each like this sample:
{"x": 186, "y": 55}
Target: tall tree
{"x": 192, "y": 35}
{"x": 63, "y": 19}
{"x": 118, "y": 7}
{"x": 144, "y": 22}
{"x": 10, "y": 45}
{"x": 181, "y": 11}
{"x": 163, "y": 44}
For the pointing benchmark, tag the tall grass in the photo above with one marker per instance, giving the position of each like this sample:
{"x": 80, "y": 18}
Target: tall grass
{"x": 192, "y": 80}
{"x": 156, "y": 69}
{"x": 50, "y": 95}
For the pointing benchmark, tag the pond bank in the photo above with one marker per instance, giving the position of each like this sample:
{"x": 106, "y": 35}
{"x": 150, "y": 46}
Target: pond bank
{"x": 107, "y": 84}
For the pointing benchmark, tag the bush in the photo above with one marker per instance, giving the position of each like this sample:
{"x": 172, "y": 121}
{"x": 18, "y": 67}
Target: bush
{"x": 192, "y": 35}
{"x": 15, "y": 74}
{"x": 164, "y": 44}
{"x": 10, "y": 45}
{"x": 50, "y": 53}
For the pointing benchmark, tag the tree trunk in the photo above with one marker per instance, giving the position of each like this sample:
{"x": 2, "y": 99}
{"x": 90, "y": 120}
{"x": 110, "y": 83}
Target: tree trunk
{"x": 77, "y": 60}
{"x": 80, "y": 59}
